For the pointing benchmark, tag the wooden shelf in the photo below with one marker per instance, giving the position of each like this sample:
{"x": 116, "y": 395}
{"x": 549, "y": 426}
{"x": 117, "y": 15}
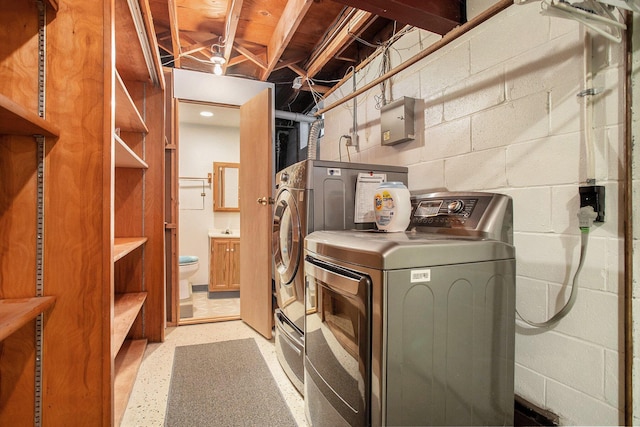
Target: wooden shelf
{"x": 17, "y": 120}
{"x": 126, "y": 158}
{"x": 15, "y": 313}
{"x": 128, "y": 117}
{"x": 125, "y": 310}
{"x": 124, "y": 245}
{"x": 127, "y": 364}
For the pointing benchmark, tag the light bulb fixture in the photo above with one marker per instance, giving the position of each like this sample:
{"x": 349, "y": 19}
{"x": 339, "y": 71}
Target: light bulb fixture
{"x": 218, "y": 61}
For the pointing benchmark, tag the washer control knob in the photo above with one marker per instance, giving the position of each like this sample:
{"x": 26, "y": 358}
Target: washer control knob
{"x": 455, "y": 206}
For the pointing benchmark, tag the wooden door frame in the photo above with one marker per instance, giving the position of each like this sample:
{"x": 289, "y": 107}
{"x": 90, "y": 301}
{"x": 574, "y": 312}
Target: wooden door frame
{"x": 193, "y": 86}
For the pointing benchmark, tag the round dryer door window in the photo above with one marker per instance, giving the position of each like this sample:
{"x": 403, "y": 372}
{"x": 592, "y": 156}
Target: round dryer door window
{"x": 287, "y": 237}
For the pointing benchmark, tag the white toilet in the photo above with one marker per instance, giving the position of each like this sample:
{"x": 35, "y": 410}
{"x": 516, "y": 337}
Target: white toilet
{"x": 189, "y": 265}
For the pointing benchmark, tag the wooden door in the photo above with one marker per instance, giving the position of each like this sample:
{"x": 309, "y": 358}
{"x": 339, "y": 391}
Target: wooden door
{"x": 256, "y": 175}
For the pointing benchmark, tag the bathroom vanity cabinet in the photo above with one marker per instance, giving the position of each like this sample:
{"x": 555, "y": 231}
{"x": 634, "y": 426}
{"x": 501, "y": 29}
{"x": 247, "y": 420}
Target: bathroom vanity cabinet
{"x": 224, "y": 264}
{"x": 81, "y": 196}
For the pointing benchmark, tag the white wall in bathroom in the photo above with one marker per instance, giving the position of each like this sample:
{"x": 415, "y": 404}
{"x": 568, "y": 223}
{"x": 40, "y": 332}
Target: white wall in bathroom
{"x": 200, "y": 146}
{"x": 497, "y": 111}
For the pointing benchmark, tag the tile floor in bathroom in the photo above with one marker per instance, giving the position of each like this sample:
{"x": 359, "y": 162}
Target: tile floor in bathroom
{"x": 219, "y": 304}
{"x": 147, "y": 404}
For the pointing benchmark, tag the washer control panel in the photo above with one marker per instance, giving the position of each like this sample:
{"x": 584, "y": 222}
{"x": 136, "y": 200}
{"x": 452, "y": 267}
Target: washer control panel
{"x": 443, "y": 212}
{"x": 463, "y": 213}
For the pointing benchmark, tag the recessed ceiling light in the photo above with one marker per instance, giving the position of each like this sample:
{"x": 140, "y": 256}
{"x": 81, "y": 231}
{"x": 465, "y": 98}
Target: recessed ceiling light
{"x": 206, "y": 113}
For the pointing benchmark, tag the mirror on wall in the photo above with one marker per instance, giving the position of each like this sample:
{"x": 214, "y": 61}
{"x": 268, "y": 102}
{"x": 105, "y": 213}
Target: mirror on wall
{"x": 226, "y": 188}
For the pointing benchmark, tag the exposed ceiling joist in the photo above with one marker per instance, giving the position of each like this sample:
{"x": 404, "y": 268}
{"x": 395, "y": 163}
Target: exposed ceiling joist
{"x": 355, "y": 25}
{"x": 250, "y": 56}
{"x": 239, "y": 59}
{"x": 437, "y": 16}
{"x": 199, "y": 51}
{"x": 282, "y": 40}
{"x": 293, "y": 13}
{"x": 231, "y": 25}
{"x": 315, "y": 88}
{"x": 298, "y": 70}
{"x": 199, "y": 46}
{"x": 174, "y": 29}
{"x": 282, "y": 63}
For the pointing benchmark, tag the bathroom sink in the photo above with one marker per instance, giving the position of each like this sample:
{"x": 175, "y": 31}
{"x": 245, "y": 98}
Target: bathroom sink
{"x": 224, "y": 233}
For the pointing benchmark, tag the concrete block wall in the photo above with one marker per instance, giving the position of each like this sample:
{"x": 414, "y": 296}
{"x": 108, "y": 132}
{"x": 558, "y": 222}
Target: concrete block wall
{"x": 497, "y": 110}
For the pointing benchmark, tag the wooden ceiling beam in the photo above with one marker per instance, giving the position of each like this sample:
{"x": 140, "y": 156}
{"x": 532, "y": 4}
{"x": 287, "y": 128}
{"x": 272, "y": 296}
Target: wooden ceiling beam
{"x": 165, "y": 35}
{"x": 284, "y": 63}
{"x": 233, "y": 17}
{"x": 357, "y": 23}
{"x": 255, "y": 58}
{"x": 239, "y": 59}
{"x": 293, "y": 13}
{"x": 174, "y": 28}
{"x": 298, "y": 70}
{"x": 166, "y": 46}
{"x": 199, "y": 46}
{"x": 437, "y": 16}
{"x": 315, "y": 88}
{"x": 186, "y": 37}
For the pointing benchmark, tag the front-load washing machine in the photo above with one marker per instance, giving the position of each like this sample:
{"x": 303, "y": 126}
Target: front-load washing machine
{"x": 312, "y": 195}
{"x": 417, "y": 327}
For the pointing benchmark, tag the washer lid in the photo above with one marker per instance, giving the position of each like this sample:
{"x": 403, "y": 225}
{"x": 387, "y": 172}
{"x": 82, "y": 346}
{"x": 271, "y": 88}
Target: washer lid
{"x": 391, "y": 251}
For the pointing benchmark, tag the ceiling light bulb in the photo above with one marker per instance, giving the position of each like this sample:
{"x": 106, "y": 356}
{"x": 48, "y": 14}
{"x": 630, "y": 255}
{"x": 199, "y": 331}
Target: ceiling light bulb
{"x": 218, "y": 60}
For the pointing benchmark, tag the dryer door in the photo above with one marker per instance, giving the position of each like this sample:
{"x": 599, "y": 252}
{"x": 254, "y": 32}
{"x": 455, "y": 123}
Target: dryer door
{"x": 287, "y": 237}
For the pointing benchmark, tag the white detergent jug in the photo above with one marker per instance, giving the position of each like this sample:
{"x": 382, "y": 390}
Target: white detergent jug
{"x": 392, "y": 206}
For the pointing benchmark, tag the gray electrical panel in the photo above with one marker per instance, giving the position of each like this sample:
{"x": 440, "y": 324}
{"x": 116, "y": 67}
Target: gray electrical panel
{"x": 397, "y": 121}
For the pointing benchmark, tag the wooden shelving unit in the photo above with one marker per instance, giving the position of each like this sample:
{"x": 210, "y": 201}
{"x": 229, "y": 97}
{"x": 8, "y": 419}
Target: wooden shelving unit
{"x": 103, "y": 268}
{"x": 15, "y": 313}
{"x": 138, "y": 243}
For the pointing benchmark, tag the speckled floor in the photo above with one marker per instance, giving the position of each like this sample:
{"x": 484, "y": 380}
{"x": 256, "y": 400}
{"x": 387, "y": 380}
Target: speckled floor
{"x": 147, "y": 404}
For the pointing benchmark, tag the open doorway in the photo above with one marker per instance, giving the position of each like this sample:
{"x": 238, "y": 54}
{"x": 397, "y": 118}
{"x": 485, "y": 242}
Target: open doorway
{"x": 209, "y": 236}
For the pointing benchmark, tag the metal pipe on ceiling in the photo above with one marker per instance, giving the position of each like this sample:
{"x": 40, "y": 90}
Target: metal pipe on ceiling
{"x": 296, "y": 117}
{"x": 445, "y": 40}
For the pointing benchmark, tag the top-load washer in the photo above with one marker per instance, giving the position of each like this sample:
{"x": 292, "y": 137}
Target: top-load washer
{"x": 416, "y": 327}
{"x": 313, "y": 195}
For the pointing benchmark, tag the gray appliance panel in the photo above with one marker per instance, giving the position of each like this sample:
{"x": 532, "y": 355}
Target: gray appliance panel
{"x": 450, "y": 346}
{"x": 333, "y": 192}
{"x": 389, "y": 251}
